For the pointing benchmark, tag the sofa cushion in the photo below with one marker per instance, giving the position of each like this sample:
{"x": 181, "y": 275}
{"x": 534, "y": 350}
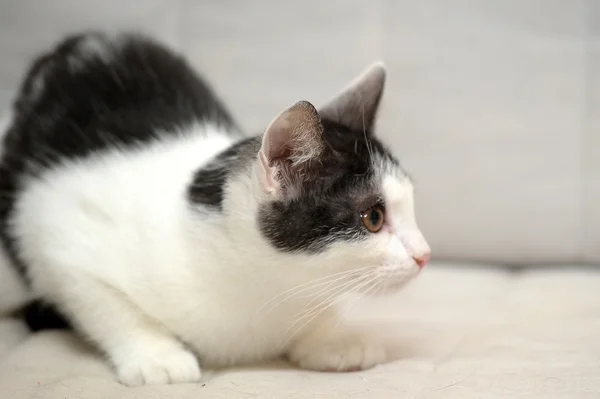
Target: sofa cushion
{"x": 455, "y": 332}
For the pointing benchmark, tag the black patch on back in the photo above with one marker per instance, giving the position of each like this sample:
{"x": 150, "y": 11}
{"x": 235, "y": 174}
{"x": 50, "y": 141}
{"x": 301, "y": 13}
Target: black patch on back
{"x": 340, "y": 186}
{"x": 74, "y": 102}
{"x": 208, "y": 185}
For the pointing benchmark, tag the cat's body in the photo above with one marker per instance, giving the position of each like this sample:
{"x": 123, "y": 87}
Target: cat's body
{"x": 132, "y": 203}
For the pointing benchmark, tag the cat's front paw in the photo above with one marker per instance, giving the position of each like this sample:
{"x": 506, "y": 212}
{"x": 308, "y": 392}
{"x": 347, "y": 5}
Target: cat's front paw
{"x": 343, "y": 353}
{"x": 159, "y": 367}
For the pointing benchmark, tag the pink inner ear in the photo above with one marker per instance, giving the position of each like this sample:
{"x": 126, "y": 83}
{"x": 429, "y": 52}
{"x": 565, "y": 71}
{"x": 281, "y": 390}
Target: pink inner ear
{"x": 268, "y": 180}
{"x": 277, "y": 138}
{"x": 294, "y": 137}
{"x": 294, "y": 133}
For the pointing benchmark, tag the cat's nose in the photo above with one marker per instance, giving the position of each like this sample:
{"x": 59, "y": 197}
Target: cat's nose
{"x": 422, "y": 259}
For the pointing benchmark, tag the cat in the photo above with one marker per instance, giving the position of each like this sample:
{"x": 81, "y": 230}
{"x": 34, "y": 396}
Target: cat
{"x": 133, "y": 204}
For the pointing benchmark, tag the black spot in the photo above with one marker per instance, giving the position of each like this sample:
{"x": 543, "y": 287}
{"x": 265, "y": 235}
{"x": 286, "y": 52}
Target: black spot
{"x": 41, "y": 316}
{"x": 208, "y": 185}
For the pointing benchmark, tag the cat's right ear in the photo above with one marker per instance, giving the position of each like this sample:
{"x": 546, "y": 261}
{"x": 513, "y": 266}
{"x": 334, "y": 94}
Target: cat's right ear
{"x": 357, "y": 105}
{"x": 290, "y": 144}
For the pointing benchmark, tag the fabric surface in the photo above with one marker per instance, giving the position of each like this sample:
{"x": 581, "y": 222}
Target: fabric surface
{"x": 454, "y": 332}
{"x": 492, "y": 105}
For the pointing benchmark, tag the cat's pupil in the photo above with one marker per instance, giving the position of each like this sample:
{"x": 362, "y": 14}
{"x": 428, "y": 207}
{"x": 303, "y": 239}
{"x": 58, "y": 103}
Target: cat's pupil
{"x": 374, "y": 217}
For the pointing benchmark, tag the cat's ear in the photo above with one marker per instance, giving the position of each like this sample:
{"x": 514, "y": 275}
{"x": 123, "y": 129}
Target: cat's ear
{"x": 290, "y": 144}
{"x": 356, "y": 106}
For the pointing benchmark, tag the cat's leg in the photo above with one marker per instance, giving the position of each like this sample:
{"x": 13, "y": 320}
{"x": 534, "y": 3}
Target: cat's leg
{"x": 331, "y": 346}
{"x": 140, "y": 349}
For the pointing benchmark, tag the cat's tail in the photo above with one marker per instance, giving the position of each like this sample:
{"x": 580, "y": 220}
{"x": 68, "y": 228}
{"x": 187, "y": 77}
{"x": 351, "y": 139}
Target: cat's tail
{"x": 17, "y": 300}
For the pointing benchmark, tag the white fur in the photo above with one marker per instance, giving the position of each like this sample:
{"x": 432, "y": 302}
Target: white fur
{"x": 93, "y": 47}
{"x": 401, "y": 219}
{"x": 112, "y": 241}
{"x": 38, "y": 84}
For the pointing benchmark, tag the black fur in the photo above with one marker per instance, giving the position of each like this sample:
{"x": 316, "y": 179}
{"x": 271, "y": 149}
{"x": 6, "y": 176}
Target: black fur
{"x": 74, "y": 102}
{"x": 208, "y": 185}
{"x": 341, "y": 185}
{"x": 40, "y": 316}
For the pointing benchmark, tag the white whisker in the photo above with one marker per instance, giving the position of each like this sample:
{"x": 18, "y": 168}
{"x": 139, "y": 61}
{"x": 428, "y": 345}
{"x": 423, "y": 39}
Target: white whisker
{"x": 329, "y": 279}
{"x": 353, "y": 303}
{"x": 319, "y": 309}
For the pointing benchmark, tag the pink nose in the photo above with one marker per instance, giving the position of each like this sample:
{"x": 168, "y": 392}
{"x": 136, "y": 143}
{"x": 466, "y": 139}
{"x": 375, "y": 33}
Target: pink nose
{"x": 422, "y": 259}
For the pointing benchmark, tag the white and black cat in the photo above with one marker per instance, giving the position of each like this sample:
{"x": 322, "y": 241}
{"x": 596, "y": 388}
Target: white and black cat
{"x": 132, "y": 204}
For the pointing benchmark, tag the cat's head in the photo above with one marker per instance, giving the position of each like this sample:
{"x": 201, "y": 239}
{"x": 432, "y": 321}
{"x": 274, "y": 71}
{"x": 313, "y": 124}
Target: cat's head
{"x": 330, "y": 189}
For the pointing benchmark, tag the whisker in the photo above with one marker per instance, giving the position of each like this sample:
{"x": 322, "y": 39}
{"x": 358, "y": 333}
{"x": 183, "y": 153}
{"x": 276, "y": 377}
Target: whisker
{"x": 367, "y": 142}
{"x": 324, "y": 291}
{"x": 353, "y": 303}
{"x": 317, "y": 310}
{"x": 298, "y": 292}
{"x": 332, "y": 278}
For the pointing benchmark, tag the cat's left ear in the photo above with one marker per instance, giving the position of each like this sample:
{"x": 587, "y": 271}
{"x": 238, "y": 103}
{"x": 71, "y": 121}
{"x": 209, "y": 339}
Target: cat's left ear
{"x": 357, "y": 105}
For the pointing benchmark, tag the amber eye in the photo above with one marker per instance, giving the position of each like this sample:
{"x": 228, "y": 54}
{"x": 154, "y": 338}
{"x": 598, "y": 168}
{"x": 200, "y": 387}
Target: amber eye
{"x": 373, "y": 218}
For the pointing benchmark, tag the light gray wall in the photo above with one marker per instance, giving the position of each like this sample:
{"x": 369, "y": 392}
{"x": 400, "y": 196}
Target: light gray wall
{"x": 493, "y": 105}
{"x": 591, "y": 153}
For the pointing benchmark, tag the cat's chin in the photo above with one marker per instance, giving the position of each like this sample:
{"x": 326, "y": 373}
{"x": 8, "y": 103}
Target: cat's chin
{"x": 391, "y": 283}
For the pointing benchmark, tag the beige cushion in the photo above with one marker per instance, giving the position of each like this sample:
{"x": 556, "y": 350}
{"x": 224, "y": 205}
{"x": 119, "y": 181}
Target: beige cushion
{"x": 492, "y": 105}
{"x": 453, "y": 333}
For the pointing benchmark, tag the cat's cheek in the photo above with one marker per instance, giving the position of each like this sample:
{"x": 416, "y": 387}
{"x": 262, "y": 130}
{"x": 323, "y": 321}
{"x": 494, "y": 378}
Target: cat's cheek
{"x": 379, "y": 249}
{"x": 391, "y": 260}
{"x": 395, "y": 251}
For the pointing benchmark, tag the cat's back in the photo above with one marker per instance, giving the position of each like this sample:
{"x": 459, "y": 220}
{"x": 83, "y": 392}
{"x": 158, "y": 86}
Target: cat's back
{"x": 105, "y": 133}
{"x": 95, "y": 91}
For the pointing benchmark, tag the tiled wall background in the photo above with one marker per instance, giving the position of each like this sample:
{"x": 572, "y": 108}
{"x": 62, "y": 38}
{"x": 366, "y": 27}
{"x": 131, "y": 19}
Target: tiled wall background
{"x": 493, "y": 105}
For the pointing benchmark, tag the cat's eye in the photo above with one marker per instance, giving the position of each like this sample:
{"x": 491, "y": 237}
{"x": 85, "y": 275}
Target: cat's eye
{"x": 373, "y": 218}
